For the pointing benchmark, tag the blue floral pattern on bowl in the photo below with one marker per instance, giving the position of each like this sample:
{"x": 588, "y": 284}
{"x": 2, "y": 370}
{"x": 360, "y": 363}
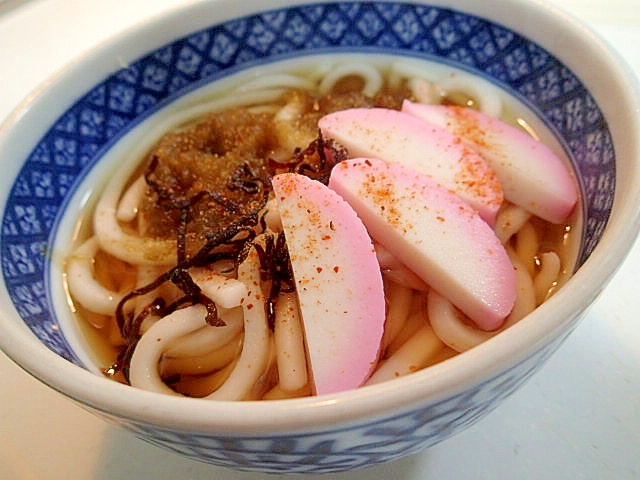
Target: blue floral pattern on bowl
{"x": 77, "y": 140}
{"x": 372, "y": 441}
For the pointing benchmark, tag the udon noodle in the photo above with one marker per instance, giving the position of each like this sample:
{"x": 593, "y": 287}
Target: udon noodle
{"x": 167, "y": 267}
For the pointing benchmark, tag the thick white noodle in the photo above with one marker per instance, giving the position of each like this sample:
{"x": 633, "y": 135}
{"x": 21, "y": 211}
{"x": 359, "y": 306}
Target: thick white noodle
{"x": 290, "y": 111}
{"x": 208, "y": 338}
{"x": 408, "y": 70}
{"x": 289, "y": 344}
{"x": 411, "y": 357}
{"x": 278, "y": 393}
{"x": 131, "y": 200}
{"x": 414, "y": 322}
{"x": 283, "y": 81}
{"x": 509, "y": 221}
{"x": 145, "y": 275}
{"x": 398, "y": 308}
{"x": 211, "y": 361}
{"x": 199, "y": 386}
{"x": 397, "y": 271}
{"x": 425, "y": 85}
{"x": 424, "y": 91}
{"x": 257, "y": 336}
{"x": 483, "y": 92}
{"x": 127, "y": 247}
{"x": 143, "y": 372}
{"x": 370, "y": 75}
{"x": 527, "y": 246}
{"x": 286, "y": 129}
{"x": 272, "y": 216}
{"x": 234, "y": 100}
{"x": 83, "y": 286}
{"x": 224, "y": 291}
{"x": 450, "y": 325}
{"x": 543, "y": 282}
{"x": 525, "y": 294}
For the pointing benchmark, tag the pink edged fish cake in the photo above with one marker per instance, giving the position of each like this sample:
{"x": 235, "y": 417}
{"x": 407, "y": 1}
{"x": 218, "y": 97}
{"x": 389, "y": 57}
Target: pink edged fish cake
{"x": 338, "y": 281}
{"x": 405, "y": 139}
{"x": 435, "y": 233}
{"x": 531, "y": 174}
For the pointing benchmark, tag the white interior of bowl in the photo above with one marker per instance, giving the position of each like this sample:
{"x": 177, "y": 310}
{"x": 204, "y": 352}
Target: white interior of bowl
{"x": 601, "y": 71}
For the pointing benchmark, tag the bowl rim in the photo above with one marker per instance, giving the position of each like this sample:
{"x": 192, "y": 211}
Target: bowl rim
{"x": 430, "y": 385}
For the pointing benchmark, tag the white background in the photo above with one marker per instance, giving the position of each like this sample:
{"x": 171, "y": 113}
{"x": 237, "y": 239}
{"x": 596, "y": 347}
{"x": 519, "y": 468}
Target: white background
{"x": 578, "y": 418}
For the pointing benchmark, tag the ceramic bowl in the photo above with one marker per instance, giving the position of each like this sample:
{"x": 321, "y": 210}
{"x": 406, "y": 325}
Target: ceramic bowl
{"x": 58, "y": 143}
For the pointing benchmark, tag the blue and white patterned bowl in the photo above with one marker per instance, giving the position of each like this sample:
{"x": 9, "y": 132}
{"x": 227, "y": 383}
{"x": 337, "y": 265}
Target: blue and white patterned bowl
{"x": 52, "y": 150}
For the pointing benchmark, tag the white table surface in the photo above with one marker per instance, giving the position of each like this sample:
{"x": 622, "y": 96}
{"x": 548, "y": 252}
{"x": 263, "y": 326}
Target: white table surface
{"x": 578, "y": 418}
